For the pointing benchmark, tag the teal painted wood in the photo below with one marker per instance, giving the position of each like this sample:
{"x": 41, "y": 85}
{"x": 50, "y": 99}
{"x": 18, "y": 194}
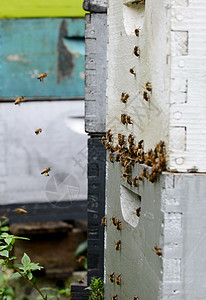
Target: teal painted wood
{"x": 29, "y": 47}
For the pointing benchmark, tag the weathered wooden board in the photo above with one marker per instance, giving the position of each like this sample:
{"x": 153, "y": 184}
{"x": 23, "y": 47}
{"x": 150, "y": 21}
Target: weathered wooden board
{"x": 95, "y": 6}
{"x": 95, "y": 72}
{"x": 172, "y": 57}
{"x": 30, "y": 47}
{"x": 40, "y": 8}
{"x": 173, "y": 216}
{"x": 62, "y": 146}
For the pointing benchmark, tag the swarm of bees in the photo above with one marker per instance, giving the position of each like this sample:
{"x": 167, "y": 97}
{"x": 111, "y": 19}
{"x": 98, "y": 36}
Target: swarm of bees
{"x": 42, "y": 76}
{"x": 128, "y": 154}
{"x": 157, "y": 250}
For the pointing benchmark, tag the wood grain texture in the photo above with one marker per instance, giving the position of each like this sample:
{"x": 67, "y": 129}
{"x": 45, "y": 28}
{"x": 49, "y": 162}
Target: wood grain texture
{"x": 30, "y": 47}
{"x": 95, "y": 72}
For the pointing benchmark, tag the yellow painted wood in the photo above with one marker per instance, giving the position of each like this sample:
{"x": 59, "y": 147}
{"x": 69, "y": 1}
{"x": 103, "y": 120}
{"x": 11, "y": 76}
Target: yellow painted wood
{"x": 40, "y": 8}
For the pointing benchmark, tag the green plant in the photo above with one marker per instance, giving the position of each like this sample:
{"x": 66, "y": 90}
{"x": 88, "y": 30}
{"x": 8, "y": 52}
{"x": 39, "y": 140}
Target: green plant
{"x": 97, "y": 289}
{"x": 23, "y": 270}
{"x": 6, "y": 292}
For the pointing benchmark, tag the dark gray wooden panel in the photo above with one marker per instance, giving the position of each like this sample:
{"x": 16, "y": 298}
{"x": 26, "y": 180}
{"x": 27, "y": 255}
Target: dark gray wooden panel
{"x": 95, "y": 72}
{"x": 97, "y": 6}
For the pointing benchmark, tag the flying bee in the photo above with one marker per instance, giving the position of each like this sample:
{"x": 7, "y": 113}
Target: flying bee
{"x": 157, "y": 250}
{"x": 81, "y": 259}
{"x": 124, "y": 97}
{"x": 148, "y": 86}
{"x": 123, "y": 119}
{"x": 129, "y": 121}
{"x": 118, "y": 279}
{"x": 138, "y": 211}
{"x": 136, "y": 31}
{"x": 118, "y": 224}
{"x": 104, "y": 221}
{"x": 81, "y": 281}
{"x": 115, "y": 297}
{"x": 3, "y": 218}
{"x": 46, "y": 171}
{"x": 42, "y": 76}
{"x": 38, "y": 131}
{"x": 111, "y": 277}
{"x": 146, "y": 96}
{"x": 136, "y": 51}
{"x": 117, "y": 245}
{"x": 20, "y": 211}
{"x": 131, "y": 70}
{"x": 19, "y": 100}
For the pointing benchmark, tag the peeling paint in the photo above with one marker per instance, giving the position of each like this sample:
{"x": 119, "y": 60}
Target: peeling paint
{"x": 17, "y": 58}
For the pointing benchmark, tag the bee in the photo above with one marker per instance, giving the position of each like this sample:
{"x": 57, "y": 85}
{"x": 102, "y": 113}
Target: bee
{"x": 146, "y": 96}
{"x": 42, "y": 76}
{"x": 148, "y": 86}
{"x": 81, "y": 259}
{"x": 118, "y": 279}
{"x": 111, "y": 158}
{"x": 121, "y": 139}
{"x": 20, "y": 211}
{"x": 118, "y": 224}
{"x": 136, "y": 51}
{"x": 140, "y": 144}
{"x": 103, "y": 140}
{"x": 3, "y": 218}
{"x": 38, "y": 131}
{"x": 19, "y": 100}
{"x": 81, "y": 281}
{"x": 124, "y": 97}
{"x": 123, "y": 119}
{"x": 117, "y": 245}
{"x": 111, "y": 277}
{"x": 136, "y": 298}
{"x": 136, "y": 31}
{"x": 129, "y": 121}
{"x": 131, "y": 70}
{"x": 157, "y": 250}
{"x": 113, "y": 219}
{"x": 140, "y": 177}
{"x": 115, "y": 297}
{"x": 135, "y": 181}
{"x": 130, "y": 139}
{"x": 138, "y": 211}
{"x": 109, "y": 135}
{"x": 104, "y": 221}
{"x": 46, "y": 171}
{"x": 144, "y": 172}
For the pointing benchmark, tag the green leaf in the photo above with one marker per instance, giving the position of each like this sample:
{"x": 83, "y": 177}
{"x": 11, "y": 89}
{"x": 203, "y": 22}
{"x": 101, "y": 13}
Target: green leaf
{"x": 4, "y": 253}
{"x": 51, "y": 296}
{"x": 29, "y": 275}
{"x": 1, "y": 261}
{"x": 4, "y": 268}
{"x": 8, "y": 240}
{"x": 4, "y": 235}
{"x": 81, "y": 248}
{"x": 15, "y": 275}
{"x": 3, "y": 247}
{"x": 13, "y": 257}
{"x": 26, "y": 260}
{"x": 5, "y": 228}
